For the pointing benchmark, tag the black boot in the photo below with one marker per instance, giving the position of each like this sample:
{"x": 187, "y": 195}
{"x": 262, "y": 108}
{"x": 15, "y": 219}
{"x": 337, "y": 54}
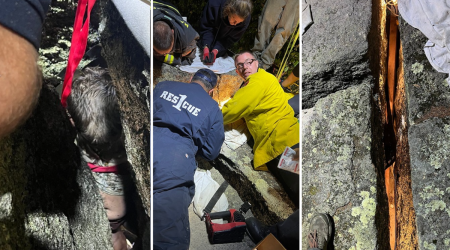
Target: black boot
{"x": 256, "y": 230}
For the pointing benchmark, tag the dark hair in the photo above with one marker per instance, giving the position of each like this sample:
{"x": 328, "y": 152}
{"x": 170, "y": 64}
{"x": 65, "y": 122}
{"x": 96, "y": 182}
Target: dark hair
{"x": 242, "y": 8}
{"x": 93, "y": 106}
{"x": 162, "y": 36}
{"x": 207, "y": 77}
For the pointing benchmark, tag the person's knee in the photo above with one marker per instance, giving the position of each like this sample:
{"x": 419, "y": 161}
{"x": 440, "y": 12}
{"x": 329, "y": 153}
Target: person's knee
{"x": 20, "y": 80}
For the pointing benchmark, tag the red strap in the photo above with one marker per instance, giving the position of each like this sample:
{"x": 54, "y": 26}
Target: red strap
{"x": 100, "y": 169}
{"x": 78, "y": 45}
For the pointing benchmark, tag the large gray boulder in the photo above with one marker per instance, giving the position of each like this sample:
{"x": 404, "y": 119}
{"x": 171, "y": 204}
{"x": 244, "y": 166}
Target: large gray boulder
{"x": 342, "y": 170}
{"x": 428, "y": 93}
{"x": 335, "y": 51}
{"x": 270, "y": 202}
{"x": 430, "y": 181}
{"x": 428, "y": 104}
{"x": 48, "y": 198}
{"x": 129, "y": 67}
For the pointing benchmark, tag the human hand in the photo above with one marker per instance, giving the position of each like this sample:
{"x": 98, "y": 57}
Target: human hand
{"x": 175, "y": 61}
{"x": 285, "y": 89}
{"x": 212, "y": 57}
{"x": 186, "y": 61}
{"x": 206, "y": 54}
{"x": 297, "y": 155}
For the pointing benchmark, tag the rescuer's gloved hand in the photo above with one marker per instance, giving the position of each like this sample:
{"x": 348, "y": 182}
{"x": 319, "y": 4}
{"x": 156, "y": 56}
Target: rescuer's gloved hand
{"x": 212, "y": 57}
{"x": 206, "y": 53}
{"x": 186, "y": 61}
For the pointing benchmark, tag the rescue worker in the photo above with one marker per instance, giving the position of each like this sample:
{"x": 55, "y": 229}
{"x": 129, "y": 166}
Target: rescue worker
{"x": 174, "y": 40}
{"x": 264, "y": 106}
{"x": 186, "y": 122}
{"x": 222, "y": 24}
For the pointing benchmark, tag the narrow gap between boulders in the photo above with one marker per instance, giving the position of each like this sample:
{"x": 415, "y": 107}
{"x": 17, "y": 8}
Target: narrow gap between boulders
{"x": 402, "y": 229}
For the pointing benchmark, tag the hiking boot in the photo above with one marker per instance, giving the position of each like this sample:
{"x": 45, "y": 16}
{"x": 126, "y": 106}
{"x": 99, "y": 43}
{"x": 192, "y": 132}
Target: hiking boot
{"x": 256, "y": 230}
{"x": 320, "y": 231}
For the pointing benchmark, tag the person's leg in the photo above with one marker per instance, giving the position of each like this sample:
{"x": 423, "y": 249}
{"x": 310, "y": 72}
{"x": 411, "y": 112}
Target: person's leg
{"x": 171, "y": 219}
{"x": 292, "y": 77}
{"x": 173, "y": 189}
{"x": 294, "y": 102}
{"x": 271, "y": 14}
{"x": 285, "y": 27}
{"x": 289, "y": 180}
{"x": 287, "y": 231}
{"x": 111, "y": 188}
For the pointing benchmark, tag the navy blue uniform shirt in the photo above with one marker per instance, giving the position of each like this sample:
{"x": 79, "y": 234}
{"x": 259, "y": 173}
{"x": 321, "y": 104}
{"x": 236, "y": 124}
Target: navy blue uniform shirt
{"x": 215, "y": 30}
{"x": 186, "y": 122}
{"x": 25, "y": 18}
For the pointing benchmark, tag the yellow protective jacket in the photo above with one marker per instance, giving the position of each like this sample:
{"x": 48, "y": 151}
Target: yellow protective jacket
{"x": 264, "y": 106}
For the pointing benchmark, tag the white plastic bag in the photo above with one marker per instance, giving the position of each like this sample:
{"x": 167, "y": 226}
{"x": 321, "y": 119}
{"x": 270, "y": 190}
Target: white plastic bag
{"x": 205, "y": 188}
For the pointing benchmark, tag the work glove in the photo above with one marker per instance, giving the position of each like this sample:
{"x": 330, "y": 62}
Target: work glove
{"x": 212, "y": 57}
{"x": 205, "y": 57}
{"x": 186, "y": 61}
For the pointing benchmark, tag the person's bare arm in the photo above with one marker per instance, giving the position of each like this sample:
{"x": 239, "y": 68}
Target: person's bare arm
{"x": 20, "y": 80}
{"x": 293, "y": 77}
{"x": 289, "y": 80}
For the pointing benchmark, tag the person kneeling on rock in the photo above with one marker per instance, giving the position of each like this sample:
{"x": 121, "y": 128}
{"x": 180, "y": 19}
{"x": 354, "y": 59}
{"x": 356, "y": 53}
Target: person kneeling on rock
{"x": 187, "y": 123}
{"x": 93, "y": 108}
{"x": 271, "y": 122}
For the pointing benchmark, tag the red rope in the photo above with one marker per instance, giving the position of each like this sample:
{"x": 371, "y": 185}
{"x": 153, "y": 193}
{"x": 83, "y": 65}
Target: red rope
{"x": 100, "y": 169}
{"x": 78, "y": 45}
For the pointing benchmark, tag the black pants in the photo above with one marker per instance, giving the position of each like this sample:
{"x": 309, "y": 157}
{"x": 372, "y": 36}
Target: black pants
{"x": 290, "y": 181}
{"x": 288, "y": 231}
{"x": 171, "y": 230}
{"x": 294, "y": 102}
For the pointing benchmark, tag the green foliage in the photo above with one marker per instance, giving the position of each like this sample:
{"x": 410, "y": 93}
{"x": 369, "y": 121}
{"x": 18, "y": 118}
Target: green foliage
{"x": 292, "y": 61}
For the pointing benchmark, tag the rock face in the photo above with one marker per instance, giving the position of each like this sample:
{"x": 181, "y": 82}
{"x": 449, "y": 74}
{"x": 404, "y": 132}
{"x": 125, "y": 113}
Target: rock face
{"x": 342, "y": 133}
{"x": 429, "y": 126}
{"x": 430, "y": 179}
{"x": 270, "y": 203}
{"x": 129, "y": 67}
{"x": 335, "y": 48}
{"x": 428, "y": 92}
{"x": 342, "y": 169}
{"x": 48, "y": 199}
